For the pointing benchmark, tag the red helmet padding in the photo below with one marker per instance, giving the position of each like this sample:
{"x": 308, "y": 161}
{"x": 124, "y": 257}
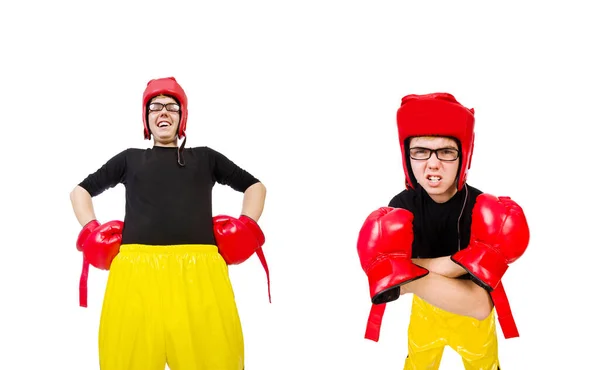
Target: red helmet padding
{"x": 437, "y": 114}
{"x": 165, "y": 86}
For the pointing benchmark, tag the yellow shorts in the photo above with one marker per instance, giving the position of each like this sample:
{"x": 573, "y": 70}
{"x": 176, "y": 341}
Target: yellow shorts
{"x": 431, "y": 329}
{"x": 170, "y": 305}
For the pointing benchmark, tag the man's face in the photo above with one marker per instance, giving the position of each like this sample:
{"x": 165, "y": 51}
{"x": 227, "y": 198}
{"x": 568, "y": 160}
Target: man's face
{"x": 435, "y": 173}
{"x": 163, "y": 119}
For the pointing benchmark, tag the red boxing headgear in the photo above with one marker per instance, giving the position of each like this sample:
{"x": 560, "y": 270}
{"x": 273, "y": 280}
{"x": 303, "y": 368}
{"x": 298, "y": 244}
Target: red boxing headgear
{"x": 437, "y": 114}
{"x": 165, "y": 86}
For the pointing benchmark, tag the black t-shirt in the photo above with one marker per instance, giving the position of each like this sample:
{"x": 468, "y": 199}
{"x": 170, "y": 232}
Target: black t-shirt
{"x": 440, "y": 229}
{"x": 167, "y": 204}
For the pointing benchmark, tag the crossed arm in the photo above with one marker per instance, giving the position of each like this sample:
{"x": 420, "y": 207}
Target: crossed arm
{"x": 441, "y": 289}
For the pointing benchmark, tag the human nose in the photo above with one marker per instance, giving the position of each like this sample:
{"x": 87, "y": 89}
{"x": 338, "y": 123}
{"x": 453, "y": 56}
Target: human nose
{"x": 433, "y": 161}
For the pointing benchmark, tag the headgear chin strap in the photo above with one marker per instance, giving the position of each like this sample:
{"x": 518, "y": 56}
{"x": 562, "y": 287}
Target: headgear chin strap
{"x": 436, "y": 114}
{"x": 167, "y": 86}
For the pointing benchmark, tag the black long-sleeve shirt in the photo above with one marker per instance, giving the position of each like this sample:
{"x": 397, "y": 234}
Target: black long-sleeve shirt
{"x": 440, "y": 229}
{"x": 167, "y": 204}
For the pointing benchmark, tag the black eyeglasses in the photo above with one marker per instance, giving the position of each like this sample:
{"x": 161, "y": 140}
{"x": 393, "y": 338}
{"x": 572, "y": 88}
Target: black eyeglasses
{"x": 157, "y": 107}
{"x": 443, "y": 154}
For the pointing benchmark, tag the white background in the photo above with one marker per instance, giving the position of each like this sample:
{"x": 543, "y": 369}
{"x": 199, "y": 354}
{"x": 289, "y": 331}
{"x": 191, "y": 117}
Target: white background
{"x": 303, "y": 95}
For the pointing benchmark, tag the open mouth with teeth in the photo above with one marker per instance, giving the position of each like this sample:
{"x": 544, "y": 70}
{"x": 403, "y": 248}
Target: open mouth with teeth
{"x": 434, "y": 178}
{"x": 163, "y": 124}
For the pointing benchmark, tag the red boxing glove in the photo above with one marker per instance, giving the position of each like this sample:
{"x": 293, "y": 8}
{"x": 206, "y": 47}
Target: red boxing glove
{"x": 103, "y": 243}
{"x": 499, "y": 236}
{"x": 385, "y": 249}
{"x": 99, "y": 244}
{"x": 238, "y": 239}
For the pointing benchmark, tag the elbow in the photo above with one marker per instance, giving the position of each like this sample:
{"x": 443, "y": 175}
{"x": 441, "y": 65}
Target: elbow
{"x": 77, "y": 193}
{"x": 258, "y": 187}
{"x": 73, "y": 194}
{"x": 262, "y": 187}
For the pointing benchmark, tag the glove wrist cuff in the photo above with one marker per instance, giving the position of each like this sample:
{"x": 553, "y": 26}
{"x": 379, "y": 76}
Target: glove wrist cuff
{"x": 254, "y": 228}
{"x": 390, "y": 272}
{"x": 483, "y": 262}
{"x": 85, "y": 233}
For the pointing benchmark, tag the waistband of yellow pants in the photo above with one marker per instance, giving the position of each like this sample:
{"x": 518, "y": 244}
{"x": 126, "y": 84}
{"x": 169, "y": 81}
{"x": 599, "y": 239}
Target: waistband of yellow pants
{"x": 125, "y": 249}
{"x": 168, "y": 249}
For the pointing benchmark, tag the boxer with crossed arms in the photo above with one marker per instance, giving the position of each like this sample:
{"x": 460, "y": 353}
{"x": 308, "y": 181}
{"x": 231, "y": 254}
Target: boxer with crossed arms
{"x": 444, "y": 241}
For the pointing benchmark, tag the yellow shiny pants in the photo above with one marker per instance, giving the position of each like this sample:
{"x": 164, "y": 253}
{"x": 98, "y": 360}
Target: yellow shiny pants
{"x": 170, "y": 305}
{"x": 431, "y": 329}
